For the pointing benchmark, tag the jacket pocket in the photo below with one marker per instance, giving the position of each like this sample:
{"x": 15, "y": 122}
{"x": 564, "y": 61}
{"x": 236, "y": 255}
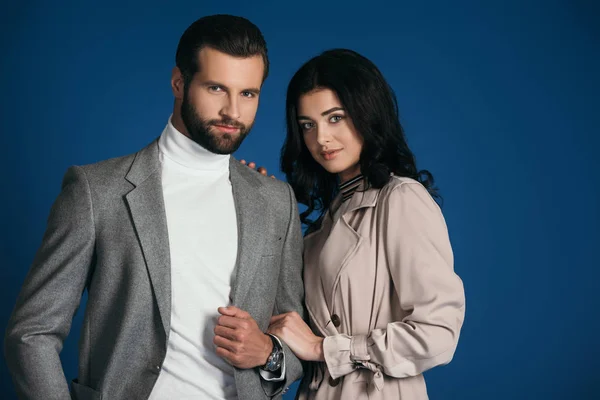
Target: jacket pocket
{"x": 81, "y": 392}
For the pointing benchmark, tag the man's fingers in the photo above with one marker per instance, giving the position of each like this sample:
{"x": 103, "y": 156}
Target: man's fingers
{"x": 227, "y": 310}
{"x": 233, "y": 311}
{"x": 225, "y": 354}
{"x": 243, "y": 162}
{"x": 252, "y": 164}
{"x": 230, "y": 322}
{"x": 242, "y": 324}
{"x": 226, "y": 332}
{"x": 225, "y": 343}
{"x": 262, "y": 170}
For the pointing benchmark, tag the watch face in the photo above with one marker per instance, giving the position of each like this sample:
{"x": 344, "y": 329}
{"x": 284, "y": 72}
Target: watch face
{"x": 276, "y": 357}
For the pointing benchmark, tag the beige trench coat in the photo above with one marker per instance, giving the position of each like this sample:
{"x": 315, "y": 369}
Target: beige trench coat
{"x": 381, "y": 288}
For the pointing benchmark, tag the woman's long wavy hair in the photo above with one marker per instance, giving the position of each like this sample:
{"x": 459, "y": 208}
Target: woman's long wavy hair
{"x": 371, "y": 105}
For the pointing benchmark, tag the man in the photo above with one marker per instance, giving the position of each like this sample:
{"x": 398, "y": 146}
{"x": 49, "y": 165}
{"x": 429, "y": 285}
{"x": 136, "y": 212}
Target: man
{"x": 185, "y": 253}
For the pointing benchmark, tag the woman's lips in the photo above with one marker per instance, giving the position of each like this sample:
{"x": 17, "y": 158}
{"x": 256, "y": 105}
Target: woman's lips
{"x": 330, "y": 154}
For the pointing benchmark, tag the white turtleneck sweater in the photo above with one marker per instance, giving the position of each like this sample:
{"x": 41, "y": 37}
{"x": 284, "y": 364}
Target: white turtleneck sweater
{"x": 202, "y": 226}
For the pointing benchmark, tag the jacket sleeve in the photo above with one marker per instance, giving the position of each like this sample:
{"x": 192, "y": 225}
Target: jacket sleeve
{"x": 420, "y": 260}
{"x": 290, "y": 296}
{"x": 51, "y": 294}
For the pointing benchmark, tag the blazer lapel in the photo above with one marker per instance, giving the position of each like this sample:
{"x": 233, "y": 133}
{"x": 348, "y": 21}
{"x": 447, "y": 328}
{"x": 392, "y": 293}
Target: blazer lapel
{"x": 147, "y": 208}
{"x": 251, "y": 221}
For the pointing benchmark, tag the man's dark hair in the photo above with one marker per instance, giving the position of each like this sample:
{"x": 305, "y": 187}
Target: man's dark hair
{"x": 229, "y": 34}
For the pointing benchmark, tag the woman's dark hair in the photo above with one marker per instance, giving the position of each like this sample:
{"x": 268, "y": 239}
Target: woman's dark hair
{"x": 228, "y": 34}
{"x": 371, "y": 104}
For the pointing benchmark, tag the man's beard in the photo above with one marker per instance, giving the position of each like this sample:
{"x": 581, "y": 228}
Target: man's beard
{"x": 199, "y": 130}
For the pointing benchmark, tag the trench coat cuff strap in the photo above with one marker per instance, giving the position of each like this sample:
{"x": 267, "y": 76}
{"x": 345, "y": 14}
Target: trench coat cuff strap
{"x": 336, "y": 351}
{"x": 358, "y": 349}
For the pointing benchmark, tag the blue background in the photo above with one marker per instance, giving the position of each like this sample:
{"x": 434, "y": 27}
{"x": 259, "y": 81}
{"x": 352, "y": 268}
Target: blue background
{"x": 499, "y": 100}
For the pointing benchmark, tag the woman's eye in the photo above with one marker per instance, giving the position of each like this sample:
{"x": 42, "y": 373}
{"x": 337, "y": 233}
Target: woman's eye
{"x": 306, "y": 125}
{"x": 336, "y": 118}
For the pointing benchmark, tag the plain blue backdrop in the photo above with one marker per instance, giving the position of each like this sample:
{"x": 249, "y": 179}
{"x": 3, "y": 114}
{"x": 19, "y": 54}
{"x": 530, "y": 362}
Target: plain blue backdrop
{"x": 499, "y": 100}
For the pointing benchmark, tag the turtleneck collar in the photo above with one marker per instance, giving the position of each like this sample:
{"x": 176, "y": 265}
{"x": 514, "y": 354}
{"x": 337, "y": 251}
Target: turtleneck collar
{"x": 184, "y": 151}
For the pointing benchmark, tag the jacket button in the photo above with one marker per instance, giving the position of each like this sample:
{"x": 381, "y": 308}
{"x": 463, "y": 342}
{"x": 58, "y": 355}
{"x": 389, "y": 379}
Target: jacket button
{"x": 335, "y": 320}
{"x": 334, "y": 382}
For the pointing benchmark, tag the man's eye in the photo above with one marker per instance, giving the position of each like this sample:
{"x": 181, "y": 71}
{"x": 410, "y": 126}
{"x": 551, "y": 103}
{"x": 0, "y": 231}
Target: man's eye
{"x": 248, "y": 94}
{"x": 215, "y": 88}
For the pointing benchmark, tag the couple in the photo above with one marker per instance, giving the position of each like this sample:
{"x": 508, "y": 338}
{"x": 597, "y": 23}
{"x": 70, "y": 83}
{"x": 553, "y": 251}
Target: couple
{"x": 199, "y": 281}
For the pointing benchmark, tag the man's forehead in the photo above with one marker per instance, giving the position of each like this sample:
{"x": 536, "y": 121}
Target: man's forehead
{"x": 227, "y": 69}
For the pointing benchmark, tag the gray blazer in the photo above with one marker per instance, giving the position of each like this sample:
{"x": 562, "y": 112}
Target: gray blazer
{"x": 107, "y": 234}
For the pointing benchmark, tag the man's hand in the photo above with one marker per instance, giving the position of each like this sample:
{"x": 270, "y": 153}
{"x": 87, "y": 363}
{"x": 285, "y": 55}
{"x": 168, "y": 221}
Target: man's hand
{"x": 239, "y": 340}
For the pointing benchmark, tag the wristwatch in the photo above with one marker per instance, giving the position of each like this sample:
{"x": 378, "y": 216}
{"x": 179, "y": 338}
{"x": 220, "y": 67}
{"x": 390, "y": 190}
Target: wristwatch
{"x": 276, "y": 356}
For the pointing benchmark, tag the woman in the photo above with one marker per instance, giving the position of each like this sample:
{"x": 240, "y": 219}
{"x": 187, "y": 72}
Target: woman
{"x": 383, "y": 301}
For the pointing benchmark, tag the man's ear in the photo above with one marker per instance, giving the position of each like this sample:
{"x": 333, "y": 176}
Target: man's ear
{"x": 177, "y": 84}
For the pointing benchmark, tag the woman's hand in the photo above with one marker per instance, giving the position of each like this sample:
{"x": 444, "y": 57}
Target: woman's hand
{"x": 261, "y": 170}
{"x": 292, "y": 329}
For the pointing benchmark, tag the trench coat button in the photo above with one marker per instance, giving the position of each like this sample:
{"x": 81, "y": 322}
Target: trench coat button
{"x": 334, "y": 382}
{"x": 335, "y": 320}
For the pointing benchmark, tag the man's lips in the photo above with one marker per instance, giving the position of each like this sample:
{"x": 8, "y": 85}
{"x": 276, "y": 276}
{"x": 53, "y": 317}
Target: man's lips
{"x": 227, "y": 128}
